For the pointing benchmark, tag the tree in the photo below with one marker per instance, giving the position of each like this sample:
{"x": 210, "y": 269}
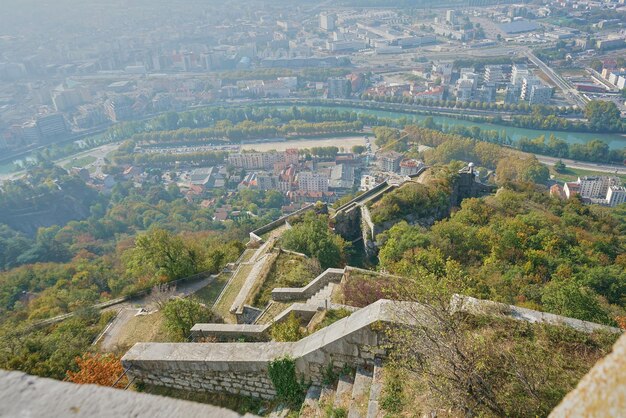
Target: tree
{"x": 603, "y": 116}
{"x": 559, "y": 166}
{"x": 183, "y": 313}
{"x": 313, "y": 238}
{"x": 358, "y": 149}
{"x": 99, "y": 369}
{"x": 159, "y": 253}
{"x": 570, "y": 299}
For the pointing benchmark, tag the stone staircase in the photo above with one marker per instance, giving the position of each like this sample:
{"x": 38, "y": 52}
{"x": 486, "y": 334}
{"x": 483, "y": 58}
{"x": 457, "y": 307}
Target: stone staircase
{"x": 357, "y": 396}
{"x": 323, "y": 295}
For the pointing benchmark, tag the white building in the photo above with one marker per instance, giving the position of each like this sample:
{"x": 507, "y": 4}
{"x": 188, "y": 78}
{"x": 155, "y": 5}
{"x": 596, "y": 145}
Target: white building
{"x": 312, "y": 182}
{"x": 616, "y": 195}
{"x": 596, "y": 187}
{"x": 328, "y": 21}
{"x": 540, "y": 95}
{"x": 518, "y": 73}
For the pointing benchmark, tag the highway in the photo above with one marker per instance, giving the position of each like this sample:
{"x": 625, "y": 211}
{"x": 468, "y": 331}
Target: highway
{"x": 581, "y": 165}
{"x": 569, "y": 91}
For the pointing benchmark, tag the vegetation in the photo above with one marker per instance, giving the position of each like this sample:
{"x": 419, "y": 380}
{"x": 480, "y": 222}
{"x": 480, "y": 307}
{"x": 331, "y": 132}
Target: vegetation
{"x": 99, "y": 369}
{"x": 290, "y": 330}
{"x": 288, "y": 271}
{"x": 183, "y": 313}
{"x": 282, "y": 373}
{"x": 524, "y": 248}
{"x": 312, "y": 237}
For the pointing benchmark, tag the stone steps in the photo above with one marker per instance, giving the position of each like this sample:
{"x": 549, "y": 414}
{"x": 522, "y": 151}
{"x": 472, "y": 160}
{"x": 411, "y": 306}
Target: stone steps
{"x": 322, "y": 295}
{"x": 360, "y": 393}
{"x": 281, "y": 411}
{"x": 373, "y": 408}
{"x": 343, "y": 394}
{"x": 311, "y": 406}
{"x": 357, "y": 396}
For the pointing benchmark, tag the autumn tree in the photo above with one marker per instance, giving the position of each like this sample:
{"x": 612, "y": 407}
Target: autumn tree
{"x": 99, "y": 369}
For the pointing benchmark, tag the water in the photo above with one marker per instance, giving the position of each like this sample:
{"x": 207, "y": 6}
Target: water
{"x": 615, "y": 141}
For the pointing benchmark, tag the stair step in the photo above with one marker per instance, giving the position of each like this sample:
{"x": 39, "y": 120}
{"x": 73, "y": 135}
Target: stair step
{"x": 375, "y": 390}
{"x": 311, "y": 406}
{"x": 360, "y": 393}
{"x": 343, "y": 395}
{"x": 281, "y": 411}
{"x": 326, "y": 398}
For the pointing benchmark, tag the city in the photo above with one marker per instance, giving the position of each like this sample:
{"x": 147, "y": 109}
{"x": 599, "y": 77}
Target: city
{"x": 360, "y": 208}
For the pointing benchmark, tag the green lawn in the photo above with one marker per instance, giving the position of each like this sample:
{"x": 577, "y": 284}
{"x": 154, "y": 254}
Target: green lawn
{"x": 288, "y": 271}
{"x": 80, "y": 162}
{"x": 222, "y": 308}
{"x": 572, "y": 174}
{"x": 208, "y": 294}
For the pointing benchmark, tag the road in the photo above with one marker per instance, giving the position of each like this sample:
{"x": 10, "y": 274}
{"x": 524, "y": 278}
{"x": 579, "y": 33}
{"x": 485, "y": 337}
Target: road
{"x": 602, "y": 168}
{"x": 99, "y": 153}
{"x": 569, "y": 91}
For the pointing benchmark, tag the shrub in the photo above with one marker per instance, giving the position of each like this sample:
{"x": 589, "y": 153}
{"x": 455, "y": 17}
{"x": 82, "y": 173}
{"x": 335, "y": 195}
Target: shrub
{"x": 282, "y": 373}
{"x": 288, "y": 331}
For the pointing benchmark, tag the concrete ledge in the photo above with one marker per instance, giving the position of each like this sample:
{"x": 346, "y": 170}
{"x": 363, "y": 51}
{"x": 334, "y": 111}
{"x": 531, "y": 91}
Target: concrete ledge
{"x": 486, "y": 307}
{"x": 228, "y": 330}
{"x": 24, "y": 396}
{"x": 283, "y": 294}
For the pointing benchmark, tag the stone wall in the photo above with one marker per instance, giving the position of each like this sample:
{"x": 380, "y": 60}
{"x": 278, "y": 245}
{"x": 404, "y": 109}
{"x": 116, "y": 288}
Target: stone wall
{"x": 284, "y": 294}
{"x": 242, "y": 368}
{"x": 27, "y": 396}
{"x": 256, "y": 234}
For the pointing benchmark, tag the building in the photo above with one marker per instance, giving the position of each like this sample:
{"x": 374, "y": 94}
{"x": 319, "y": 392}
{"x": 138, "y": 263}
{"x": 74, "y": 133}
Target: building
{"x": 540, "y": 95}
{"x": 451, "y": 17}
{"x": 263, "y": 160}
{"x": 610, "y": 43}
{"x": 518, "y": 73}
{"x": 390, "y": 161}
{"x": 328, "y": 21}
{"x": 616, "y": 195}
{"x": 339, "y": 88}
{"x": 342, "y": 176}
{"x": 119, "y": 108}
{"x": 410, "y": 167}
{"x": 571, "y": 189}
{"x": 52, "y": 125}
{"x": 464, "y": 90}
{"x": 596, "y": 187}
{"x": 488, "y": 93}
{"x": 527, "y": 85}
{"x": 312, "y": 182}
{"x": 201, "y": 177}
{"x": 495, "y": 74}
{"x": 512, "y": 93}
{"x": 267, "y": 181}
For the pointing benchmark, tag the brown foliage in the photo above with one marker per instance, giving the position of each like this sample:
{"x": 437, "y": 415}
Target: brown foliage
{"x": 99, "y": 369}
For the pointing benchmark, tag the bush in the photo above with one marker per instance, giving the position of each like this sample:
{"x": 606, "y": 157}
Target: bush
{"x": 282, "y": 373}
{"x": 183, "y": 313}
{"x": 288, "y": 331}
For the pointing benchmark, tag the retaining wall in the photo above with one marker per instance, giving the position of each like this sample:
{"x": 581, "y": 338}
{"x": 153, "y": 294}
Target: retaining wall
{"x": 284, "y": 294}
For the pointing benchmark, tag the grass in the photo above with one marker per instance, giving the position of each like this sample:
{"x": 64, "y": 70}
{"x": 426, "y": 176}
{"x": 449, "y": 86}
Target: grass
{"x": 209, "y": 294}
{"x": 80, "y": 162}
{"x": 222, "y": 307}
{"x": 143, "y": 328}
{"x": 330, "y": 317}
{"x": 572, "y": 174}
{"x": 247, "y": 255}
{"x": 241, "y": 404}
{"x": 274, "y": 309}
{"x": 288, "y": 271}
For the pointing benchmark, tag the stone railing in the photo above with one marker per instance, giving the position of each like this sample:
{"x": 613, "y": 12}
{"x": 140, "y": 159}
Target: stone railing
{"x": 22, "y": 395}
{"x": 486, "y": 307}
{"x": 255, "y": 235}
{"x": 283, "y": 294}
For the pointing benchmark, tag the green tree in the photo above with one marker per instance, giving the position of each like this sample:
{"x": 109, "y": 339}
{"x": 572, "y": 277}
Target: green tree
{"x": 603, "y": 116}
{"x": 159, "y": 253}
{"x": 559, "y": 166}
{"x": 183, "y": 313}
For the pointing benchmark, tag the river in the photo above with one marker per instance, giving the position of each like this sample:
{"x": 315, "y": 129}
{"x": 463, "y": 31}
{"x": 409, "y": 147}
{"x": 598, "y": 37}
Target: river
{"x": 615, "y": 141}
